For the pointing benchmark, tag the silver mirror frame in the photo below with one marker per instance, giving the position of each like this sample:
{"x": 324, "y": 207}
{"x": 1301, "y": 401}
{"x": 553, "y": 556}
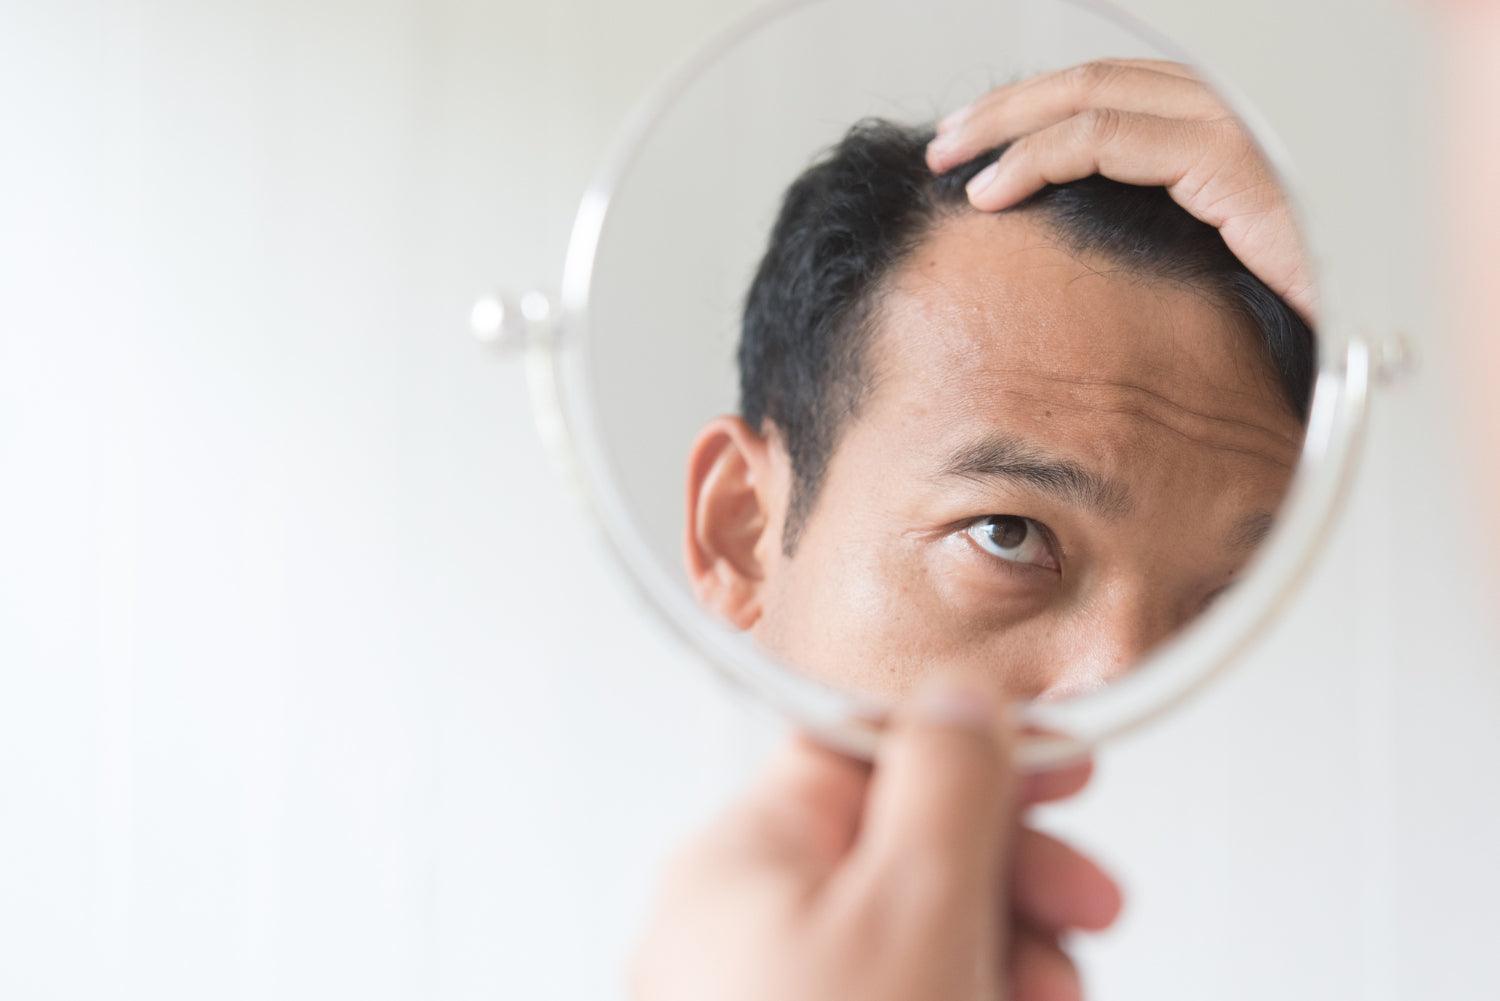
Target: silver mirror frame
{"x": 556, "y": 343}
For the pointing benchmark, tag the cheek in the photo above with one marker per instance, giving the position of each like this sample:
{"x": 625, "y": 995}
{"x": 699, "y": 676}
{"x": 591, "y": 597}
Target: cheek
{"x": 851, "y": 612}
{"x": 980, "y": 594}
{"x": 877, "y": 620}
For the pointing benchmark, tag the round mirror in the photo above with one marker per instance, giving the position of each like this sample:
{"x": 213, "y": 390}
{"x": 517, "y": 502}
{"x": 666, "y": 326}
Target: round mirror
{"x": 851, "y": 406}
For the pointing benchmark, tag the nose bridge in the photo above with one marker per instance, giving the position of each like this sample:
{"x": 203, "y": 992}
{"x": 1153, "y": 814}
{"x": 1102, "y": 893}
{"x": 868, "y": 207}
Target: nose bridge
{"x": 1120, "y": 630}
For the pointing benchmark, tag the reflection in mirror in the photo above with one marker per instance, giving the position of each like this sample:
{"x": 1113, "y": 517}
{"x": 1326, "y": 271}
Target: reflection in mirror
{"x": 1015, "y": 394}
{"x": 1030, "y": 444}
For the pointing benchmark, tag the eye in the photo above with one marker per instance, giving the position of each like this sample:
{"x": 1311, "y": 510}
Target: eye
{"x": 1014, "y": 539}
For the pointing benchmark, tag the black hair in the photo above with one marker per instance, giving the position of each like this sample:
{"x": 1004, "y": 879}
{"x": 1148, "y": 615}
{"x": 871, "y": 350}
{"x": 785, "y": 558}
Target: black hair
{"x": 854, "y": 216}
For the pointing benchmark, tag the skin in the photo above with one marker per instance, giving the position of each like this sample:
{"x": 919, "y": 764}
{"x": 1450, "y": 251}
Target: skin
{"x": 1161, "y": 441}
{"x": 1137, "y": 121}
{"x": 991, "y": 330}
{"x": 906, "y": 882}
{"x": 919, "y": 879}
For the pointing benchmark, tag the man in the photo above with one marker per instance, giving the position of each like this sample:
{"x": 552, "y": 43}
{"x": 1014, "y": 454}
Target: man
{"x": 911, "y": 880}
{"x": 1026, "y": 445}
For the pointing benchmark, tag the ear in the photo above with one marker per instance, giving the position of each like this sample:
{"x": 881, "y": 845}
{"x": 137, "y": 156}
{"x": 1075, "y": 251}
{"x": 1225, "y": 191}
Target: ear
{"x": 730, "y": 516}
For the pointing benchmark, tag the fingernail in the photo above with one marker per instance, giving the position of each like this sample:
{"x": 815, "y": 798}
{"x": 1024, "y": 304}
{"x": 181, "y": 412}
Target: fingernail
{"x": 957, "y": 702}
{"x": 942, "y": 144}
{"x": 983, "y": 179}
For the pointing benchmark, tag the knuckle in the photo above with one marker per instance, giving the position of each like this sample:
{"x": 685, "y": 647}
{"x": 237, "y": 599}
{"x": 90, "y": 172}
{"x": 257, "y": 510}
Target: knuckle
{"x": 1087, "y": 79}
{"x": 1100, "y": 126}
{"x": 1022, "y": 150}
{"x": 1238, "y": 154}
{"x": 1230, "y": 135}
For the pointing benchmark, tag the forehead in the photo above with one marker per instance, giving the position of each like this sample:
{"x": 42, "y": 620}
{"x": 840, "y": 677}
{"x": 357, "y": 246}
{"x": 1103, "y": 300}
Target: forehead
{"x": 993, "y": 321}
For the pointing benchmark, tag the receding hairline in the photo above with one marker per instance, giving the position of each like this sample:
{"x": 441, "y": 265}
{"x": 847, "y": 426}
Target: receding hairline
{"x": 876, "y": 315}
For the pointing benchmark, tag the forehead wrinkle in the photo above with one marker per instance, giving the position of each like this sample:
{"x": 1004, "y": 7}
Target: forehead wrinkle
{"x": 1156, "y": 396}
{"x": 1201, "y": 437}
{"x": 944, "y": 302}
{"x": 1097, "y": 264}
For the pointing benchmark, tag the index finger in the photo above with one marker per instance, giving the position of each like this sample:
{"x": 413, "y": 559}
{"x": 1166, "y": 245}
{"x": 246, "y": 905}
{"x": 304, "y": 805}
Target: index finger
{"x": 1129, "y": 148}
{"x": 1011, "y": 112}
{"x": 1004, "y": 91}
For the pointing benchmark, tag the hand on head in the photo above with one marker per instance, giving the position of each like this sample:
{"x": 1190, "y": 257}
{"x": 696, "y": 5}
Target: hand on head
{"x": 1138, "y": 121}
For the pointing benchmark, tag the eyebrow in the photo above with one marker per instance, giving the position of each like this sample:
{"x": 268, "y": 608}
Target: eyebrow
{"x": 1001, "y": 456}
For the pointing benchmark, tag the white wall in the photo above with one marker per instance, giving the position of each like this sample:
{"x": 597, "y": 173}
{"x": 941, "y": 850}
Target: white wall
{"x": 311, "y": 685}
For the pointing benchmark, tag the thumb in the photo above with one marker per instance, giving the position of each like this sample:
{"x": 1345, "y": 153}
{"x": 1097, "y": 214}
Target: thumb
{"x": 941, "y": 807}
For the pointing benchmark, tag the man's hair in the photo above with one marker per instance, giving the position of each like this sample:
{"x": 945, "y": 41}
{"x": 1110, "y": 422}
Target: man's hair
{"x": 852, "y": 218}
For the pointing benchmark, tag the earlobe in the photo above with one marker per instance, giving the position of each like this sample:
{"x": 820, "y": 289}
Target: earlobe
{"x": 728, "y": 514}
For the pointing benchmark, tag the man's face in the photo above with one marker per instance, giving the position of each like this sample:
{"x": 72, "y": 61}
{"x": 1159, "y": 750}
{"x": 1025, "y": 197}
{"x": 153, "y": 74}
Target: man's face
{"x": 1058, "y": 464}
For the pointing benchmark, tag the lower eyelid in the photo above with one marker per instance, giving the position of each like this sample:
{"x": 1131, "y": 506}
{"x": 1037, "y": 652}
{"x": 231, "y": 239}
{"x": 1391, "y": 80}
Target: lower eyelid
{"x": 1008, "y": 566}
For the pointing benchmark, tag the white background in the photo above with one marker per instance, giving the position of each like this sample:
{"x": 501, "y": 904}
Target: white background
{"x": 311, "y": 684}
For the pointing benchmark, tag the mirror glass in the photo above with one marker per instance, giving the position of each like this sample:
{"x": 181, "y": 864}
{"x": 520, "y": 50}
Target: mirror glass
{"x": 876, "y": 429}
